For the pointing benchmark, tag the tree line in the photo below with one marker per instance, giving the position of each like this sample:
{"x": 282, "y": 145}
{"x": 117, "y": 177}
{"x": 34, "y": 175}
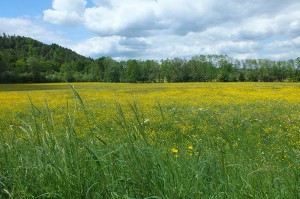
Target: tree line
{"x": 24, "y": 60}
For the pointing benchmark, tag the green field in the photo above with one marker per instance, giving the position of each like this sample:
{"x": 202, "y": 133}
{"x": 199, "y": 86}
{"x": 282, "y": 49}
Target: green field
{"x": 185, "y": 140}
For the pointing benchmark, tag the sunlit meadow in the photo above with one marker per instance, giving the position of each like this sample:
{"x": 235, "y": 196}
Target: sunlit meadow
{"x": 185, "y": 140}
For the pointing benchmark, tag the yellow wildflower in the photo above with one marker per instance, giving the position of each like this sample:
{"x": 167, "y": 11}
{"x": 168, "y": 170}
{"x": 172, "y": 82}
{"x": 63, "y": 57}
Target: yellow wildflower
{"x": 174, "y": 150}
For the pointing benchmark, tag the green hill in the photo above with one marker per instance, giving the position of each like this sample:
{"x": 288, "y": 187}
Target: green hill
{"x": 23, "y": 59}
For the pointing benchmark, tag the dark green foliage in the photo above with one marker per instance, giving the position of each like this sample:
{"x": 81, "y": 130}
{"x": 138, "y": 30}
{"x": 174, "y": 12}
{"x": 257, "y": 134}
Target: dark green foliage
{"x": 25, "y": 60}
{"x": 133, "y": 72}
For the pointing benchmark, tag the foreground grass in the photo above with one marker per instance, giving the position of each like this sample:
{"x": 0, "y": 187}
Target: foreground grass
{"x": 169, "y": 141}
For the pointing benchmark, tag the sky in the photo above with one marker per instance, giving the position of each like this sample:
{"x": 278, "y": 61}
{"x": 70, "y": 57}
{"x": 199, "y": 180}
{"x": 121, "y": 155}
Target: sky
{"x": 159, "y": 29}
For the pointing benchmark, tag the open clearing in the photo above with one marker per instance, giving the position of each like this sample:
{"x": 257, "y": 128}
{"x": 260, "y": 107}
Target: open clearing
{"x": 184, "y": 140}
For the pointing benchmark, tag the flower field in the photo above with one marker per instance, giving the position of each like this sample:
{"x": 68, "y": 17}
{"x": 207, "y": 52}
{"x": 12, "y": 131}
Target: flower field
{"x": 185, "y": 140}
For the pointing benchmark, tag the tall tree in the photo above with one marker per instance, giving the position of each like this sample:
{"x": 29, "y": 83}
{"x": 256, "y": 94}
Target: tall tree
{"x": 133, "y": 71}
{"x": 225, "y": 69}
{"x": 34, "y": 68}
{"x": 3, "y": 69}
{"x": 68, "y": 70}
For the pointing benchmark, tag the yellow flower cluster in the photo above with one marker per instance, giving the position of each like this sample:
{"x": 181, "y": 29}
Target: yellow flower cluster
{"x": 182, "y": 111}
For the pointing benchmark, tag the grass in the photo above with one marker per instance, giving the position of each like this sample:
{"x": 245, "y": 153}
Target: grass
{"x": 195, "y": 140}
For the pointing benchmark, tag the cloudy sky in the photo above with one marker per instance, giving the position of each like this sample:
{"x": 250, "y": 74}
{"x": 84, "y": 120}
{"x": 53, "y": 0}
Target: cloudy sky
{"x": 159, "y": 29}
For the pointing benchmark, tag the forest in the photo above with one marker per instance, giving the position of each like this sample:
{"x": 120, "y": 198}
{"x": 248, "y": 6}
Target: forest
{"x": 25, "y": 60}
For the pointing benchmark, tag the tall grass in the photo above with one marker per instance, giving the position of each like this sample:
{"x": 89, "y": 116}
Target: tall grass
{"x": 142, "y": 157}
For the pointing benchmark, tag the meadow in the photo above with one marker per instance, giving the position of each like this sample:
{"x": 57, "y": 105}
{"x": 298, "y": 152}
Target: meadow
{"x": 183, "y": 140}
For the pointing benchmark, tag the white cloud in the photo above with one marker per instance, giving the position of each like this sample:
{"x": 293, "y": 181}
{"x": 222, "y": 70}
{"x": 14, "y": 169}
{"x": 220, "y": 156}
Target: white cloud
{"x": 97, "y": 46}
{"x": 26, "y": 27}
{"x": 163, "y": 28}
{"x": 163, "y": 46}
{"x": 67, "y": 12}
{"x": 102, "y": 3}
{"x": 121, "y": 18}
{"x": 287, "y": 44}
{"x": 149, "y": 17}
{"x": 283, "y": 55}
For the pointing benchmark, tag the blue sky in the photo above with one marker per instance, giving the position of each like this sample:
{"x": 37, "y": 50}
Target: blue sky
{"x": 159, "y": 29}
{"x": 21, "y": 8}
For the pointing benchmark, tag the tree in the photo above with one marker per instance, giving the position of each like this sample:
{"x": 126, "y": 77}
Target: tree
{"x": 113, "y": 73}
{"x": 200, "y": 69}
{"x": 23, "y": 59}
{"x": 99, "y": 68}
{"x": 225, "y": 70}
{"x": 34, "y": 68}
{"x": 177, "y": 69}
{"x": 297, "y": 71}
{"x": 68, "y": 71}
{"x": 133, "y": 71}
{"x": 166, "y": 70}
{"x": 111, "y": 70}
{"x": 3, "y": 64}
{"x": 153, "y": 71}
{"x": 3, "y": 69}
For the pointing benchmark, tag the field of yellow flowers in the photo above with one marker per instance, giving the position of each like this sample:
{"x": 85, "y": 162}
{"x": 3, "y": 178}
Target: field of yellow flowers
{"x": 185, "y": 140}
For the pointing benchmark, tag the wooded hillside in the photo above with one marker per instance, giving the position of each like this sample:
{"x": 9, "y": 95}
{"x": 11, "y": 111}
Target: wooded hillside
{"x": 25, "y": 60}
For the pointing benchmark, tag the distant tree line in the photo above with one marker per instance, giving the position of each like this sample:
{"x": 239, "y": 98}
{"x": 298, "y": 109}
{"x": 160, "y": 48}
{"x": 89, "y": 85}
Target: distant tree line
{"x": 24, "y": 60}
